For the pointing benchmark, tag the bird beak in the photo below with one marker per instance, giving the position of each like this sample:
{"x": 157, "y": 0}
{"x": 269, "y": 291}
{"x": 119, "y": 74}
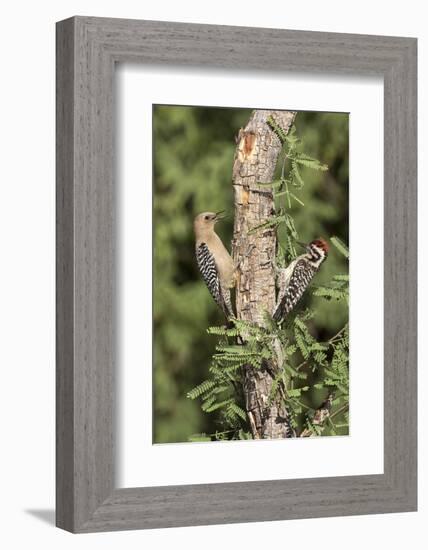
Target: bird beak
{"x": 220, "y": 215}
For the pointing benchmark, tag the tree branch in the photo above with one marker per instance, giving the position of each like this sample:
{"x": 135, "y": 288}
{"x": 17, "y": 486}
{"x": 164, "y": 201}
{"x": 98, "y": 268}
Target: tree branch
{"x": 256, "y": 157}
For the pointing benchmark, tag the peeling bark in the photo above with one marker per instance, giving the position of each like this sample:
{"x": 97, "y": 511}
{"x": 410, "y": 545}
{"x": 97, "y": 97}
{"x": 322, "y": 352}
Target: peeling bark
{"x": 256, "y": 156}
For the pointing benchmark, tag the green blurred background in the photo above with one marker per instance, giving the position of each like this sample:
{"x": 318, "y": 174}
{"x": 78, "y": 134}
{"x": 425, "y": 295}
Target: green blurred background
{"x": 193, "y": 158}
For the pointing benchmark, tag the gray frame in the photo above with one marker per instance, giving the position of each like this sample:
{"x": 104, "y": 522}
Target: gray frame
{"x": 87, "y": 50}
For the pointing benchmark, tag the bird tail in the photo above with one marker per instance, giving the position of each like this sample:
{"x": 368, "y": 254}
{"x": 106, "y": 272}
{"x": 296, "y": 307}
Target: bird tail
{"x": 227, "y": 304}
{"x": 277, "y": 314}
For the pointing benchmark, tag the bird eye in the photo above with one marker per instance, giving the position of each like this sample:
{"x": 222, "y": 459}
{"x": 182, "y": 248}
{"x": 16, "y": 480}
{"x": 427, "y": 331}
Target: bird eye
{"x": 207, "y": 217}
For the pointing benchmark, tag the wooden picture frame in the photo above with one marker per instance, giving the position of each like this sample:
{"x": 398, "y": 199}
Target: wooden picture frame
{"x": 87, "y": 50}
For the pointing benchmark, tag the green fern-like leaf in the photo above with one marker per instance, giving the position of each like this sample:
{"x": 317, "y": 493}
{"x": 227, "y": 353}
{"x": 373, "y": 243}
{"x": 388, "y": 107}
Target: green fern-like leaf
{"x": 219, "y": 405}
{"x": 297, "y": 392}
{"x": 341, "y": 246}
{"x": 201, "y": 389}
{"x": 223, "y": 331}
{"x": 291, "y": 138}
{"x": 296, "y": 175}
{"x": 289, "y": 222}
{"x": 274, "y": 184}
{"x": 301, "y": 344}
{"x": 275, "y": 127}
{"x": 330, "y": 293}
{"x": 208, "y": 402}
{"x": 312, "y": 163}
{"x": 341, "y": 278}
{"x": 291, "y": 350}
{"x": 238, "y": 411}
{"x": 274, "y": 221}
{"x": 301, "y": 325}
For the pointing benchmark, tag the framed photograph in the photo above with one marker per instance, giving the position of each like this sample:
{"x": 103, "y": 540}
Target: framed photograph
{"x": 236, "y": 274}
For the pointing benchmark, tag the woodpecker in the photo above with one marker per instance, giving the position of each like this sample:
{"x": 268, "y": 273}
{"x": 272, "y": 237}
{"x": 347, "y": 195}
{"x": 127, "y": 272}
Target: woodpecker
{"x": 294, "y": 279}
{"x": 214, "y": 261}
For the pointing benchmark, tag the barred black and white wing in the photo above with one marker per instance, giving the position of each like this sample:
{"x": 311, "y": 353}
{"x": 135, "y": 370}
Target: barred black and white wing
{"x": 296, "y": 284}
{"x": 209, "y": 272}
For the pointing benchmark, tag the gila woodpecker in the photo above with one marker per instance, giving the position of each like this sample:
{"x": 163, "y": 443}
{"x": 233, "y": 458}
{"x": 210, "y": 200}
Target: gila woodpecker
{"x": 294, "y": 279}
{"x": 214, "y": 261}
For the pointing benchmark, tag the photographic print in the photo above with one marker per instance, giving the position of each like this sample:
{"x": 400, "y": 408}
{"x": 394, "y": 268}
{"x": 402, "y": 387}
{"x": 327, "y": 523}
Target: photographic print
{"x": 250, "y": 274}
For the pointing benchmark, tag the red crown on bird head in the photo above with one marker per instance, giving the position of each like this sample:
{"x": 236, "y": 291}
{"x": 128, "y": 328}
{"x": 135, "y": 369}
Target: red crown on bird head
{"x": 321, "y": 243}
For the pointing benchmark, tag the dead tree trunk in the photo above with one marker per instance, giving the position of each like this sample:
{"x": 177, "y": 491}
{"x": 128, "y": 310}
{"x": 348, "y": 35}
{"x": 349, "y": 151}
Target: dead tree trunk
{"x": 255, "y": 161}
